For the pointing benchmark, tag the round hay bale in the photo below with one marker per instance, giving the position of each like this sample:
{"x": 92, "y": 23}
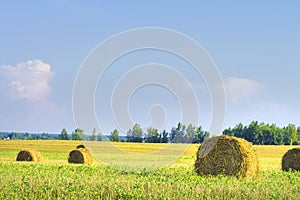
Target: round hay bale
{"x": 80, "y": 156}
{"x": 291, "y": 160}
{"x": 29, "y": 155}
{"x": 81, "y": 146}
{"x": 226, "y": 155}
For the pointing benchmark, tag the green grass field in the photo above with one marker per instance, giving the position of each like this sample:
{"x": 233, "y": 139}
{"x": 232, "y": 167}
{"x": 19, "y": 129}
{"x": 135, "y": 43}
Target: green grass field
{"x": 54, "y": 178}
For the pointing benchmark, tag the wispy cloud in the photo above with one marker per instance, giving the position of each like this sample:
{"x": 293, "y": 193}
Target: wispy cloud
{"x": 269, "y": 107}
{"x": 241, "y": 89}
{"x": 27, "y": 80}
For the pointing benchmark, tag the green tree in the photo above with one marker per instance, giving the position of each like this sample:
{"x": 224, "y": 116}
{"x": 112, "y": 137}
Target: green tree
{"x": 265, "y": 133}
{"x": 45, "y": 136}
{"x": 268, "y": 135}
{"x": 186, "y": 134}
{"x": 114, "y": 136}
{"x": 93, "y": 135}
{"x": 277, "y": 133}
{"x": 152, "y": 135}
{"x": 173, "y": 134}
{"x": 181, "y": 134}
{"x": 290, "y": 135}
{"x": 136, "y": 134}
{"x": 17, "y": 136}
{"x": 77, "y": 134}
{"x": 63, "y": 135}
{"x": 201, "y": 135}
{"x": 178, "y": 134}
{"x": 129, "y": 136}
{"x": 99, "y": 136}
{"x": 164, "y": 137}
{"x": 238, "y": 130}
{"x": 27, "y": 136}
{"x": 227, "y": 131}
{"x": 298, "y": 131}
{"x": 252, "y": 132}
{"x": 190, "y": 134}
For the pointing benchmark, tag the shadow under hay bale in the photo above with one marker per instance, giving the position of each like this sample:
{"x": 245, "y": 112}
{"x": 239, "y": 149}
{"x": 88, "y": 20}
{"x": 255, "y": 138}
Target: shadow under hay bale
{"x": 29, "y": 156}
{"x": 227, "y": 155}
{"x": 81, "y": 146}
{"x": 80, "y": 156}
{"x": 291, "y": 160}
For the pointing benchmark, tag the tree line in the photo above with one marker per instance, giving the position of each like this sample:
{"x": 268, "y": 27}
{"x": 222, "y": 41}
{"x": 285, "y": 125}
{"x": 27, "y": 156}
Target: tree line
{"x": 29, "y": 136}
{"x": 77, "y": 134}
{"x": 179, "y": 134}
{"x": 255, "y": 132}
{"x": 266, "y": 134}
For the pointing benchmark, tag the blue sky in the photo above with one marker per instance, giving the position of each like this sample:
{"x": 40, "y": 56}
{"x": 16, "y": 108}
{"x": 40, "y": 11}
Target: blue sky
{"x": 255, "y": 45}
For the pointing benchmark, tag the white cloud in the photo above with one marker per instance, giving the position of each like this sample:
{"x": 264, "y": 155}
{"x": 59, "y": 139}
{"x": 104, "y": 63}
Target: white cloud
{"x": 240, "y": 89}
{"x": 25, "y": 103}
{"x": 28, "y": 80}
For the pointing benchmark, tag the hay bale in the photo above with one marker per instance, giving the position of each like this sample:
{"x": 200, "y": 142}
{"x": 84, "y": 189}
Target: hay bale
{"x": 291, "y": 160}
{"x": 226, "y": 155}
{"x": 29, "y": 156}
{"x": 81, "y": 146}
{"x": 80, "y": 156}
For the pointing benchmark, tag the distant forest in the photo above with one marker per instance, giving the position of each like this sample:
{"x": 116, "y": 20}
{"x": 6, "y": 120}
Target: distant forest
{"x": 255, "y": 132}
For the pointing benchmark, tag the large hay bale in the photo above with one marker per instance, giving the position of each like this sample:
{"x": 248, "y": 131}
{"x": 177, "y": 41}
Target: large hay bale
{"x": 80, "y": 156}
{"x": 227, "y": 155}
{"x": 29, "y": 155}
{"x": 291, "y": 160}
{"x": 80, "y": 146}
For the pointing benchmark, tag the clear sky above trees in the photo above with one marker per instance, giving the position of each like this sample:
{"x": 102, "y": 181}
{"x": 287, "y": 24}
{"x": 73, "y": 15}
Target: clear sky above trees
{"x": 255, "y": 44}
